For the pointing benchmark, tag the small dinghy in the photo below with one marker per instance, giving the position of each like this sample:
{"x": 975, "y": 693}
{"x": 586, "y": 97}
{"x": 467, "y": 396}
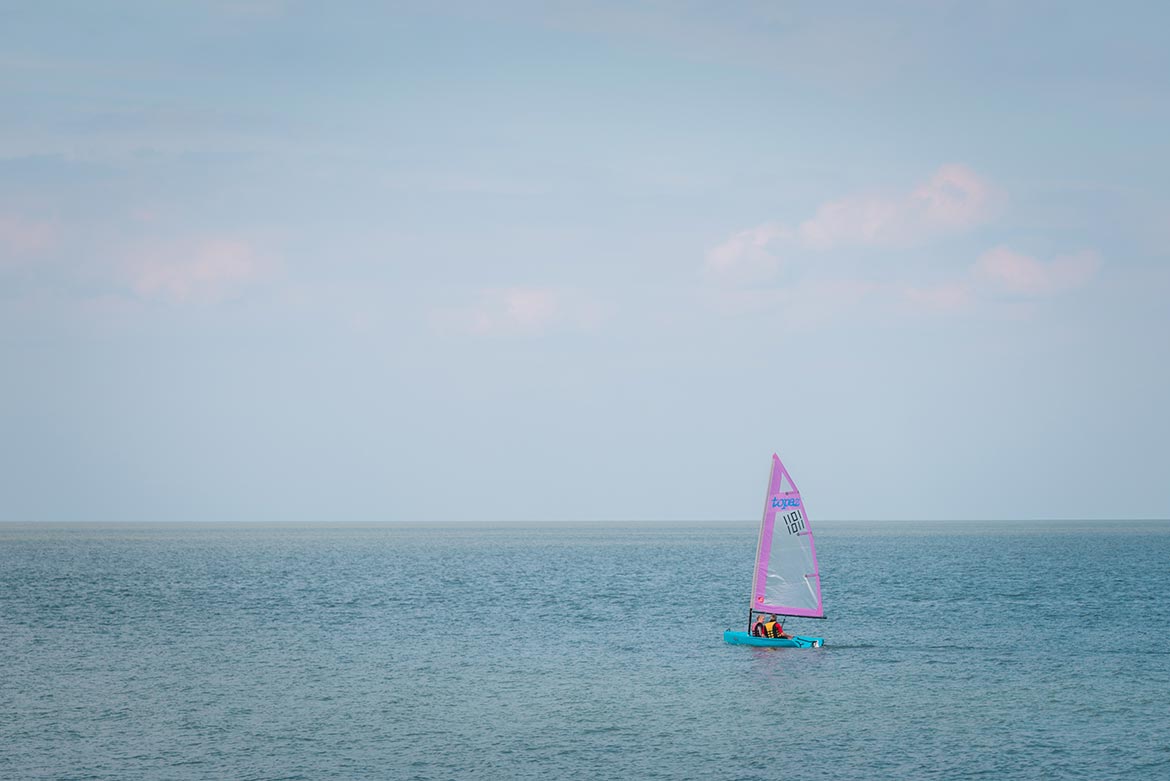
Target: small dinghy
{"x": 796, "y": 641}
{"x": 786, "y": 580}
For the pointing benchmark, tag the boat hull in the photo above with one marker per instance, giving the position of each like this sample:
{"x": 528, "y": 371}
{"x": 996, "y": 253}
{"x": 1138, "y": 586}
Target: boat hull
{"x": 797, "y": 641}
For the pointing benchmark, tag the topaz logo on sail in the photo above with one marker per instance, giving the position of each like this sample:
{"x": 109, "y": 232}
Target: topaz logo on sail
{"x": 781, "y": 503}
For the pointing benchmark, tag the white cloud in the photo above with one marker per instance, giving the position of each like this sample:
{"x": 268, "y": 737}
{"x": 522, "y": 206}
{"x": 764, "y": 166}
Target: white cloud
{"x": 746, "y": 253}
{"x": 20, "y": 237}
{"x": 204, "y": 270}
{"x": 520, "y": 310}
{"x": 954, "y": 199}
{"x": 1004, "y": 270}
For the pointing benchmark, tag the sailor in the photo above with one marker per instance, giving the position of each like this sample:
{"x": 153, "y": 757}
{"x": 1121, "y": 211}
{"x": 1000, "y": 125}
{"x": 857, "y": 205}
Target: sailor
{"x": 758, "y": 626}
{"x": 773, "y": 628}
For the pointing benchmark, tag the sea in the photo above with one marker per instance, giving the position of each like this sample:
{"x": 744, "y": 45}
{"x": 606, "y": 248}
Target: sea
{"x": 972, "y": 650}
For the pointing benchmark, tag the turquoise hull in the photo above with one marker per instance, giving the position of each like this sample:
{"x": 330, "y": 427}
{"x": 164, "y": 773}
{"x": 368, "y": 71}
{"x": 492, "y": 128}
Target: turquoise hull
{"x": 797, "y": 641}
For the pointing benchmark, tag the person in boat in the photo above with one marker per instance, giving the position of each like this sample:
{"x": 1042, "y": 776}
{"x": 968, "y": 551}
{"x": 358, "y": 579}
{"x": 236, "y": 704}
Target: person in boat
{"x": 758, "y": 626}
{"x": 774, "y": 629}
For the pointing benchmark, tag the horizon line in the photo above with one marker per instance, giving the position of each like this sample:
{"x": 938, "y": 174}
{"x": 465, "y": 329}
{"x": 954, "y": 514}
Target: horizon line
{"x": 514, "y": 522}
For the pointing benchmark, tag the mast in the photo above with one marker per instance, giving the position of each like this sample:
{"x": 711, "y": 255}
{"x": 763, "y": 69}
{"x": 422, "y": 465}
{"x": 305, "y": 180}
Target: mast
{"x": 760, "y": 540}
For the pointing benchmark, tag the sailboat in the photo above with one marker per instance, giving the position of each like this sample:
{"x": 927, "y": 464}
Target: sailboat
{"x": 785, "y": 580}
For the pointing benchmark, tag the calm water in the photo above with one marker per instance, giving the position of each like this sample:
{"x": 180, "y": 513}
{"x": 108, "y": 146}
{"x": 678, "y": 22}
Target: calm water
{"x": 554, "y": 651}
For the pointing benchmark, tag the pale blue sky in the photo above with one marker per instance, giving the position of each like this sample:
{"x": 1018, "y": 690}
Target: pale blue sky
{"x": 265, "y": 260}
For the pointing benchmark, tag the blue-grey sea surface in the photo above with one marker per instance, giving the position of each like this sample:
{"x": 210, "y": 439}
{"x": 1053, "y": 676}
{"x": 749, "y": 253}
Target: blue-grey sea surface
{"x": 552, "y": 651}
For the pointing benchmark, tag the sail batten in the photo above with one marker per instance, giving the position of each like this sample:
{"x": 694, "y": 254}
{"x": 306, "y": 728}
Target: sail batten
{"x": 786, "y": 577}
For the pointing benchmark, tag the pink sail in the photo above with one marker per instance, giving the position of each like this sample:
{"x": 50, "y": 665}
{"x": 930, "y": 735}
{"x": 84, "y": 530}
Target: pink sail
{"x": 787, "y": 580}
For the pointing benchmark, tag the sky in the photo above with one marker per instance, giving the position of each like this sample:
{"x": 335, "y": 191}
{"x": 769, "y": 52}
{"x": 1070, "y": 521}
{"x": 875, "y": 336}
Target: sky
{"x": 268, "y": 260}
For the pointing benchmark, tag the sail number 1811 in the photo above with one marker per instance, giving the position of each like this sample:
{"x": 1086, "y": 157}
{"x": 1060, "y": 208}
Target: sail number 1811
{"x": 794, "y": 521}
